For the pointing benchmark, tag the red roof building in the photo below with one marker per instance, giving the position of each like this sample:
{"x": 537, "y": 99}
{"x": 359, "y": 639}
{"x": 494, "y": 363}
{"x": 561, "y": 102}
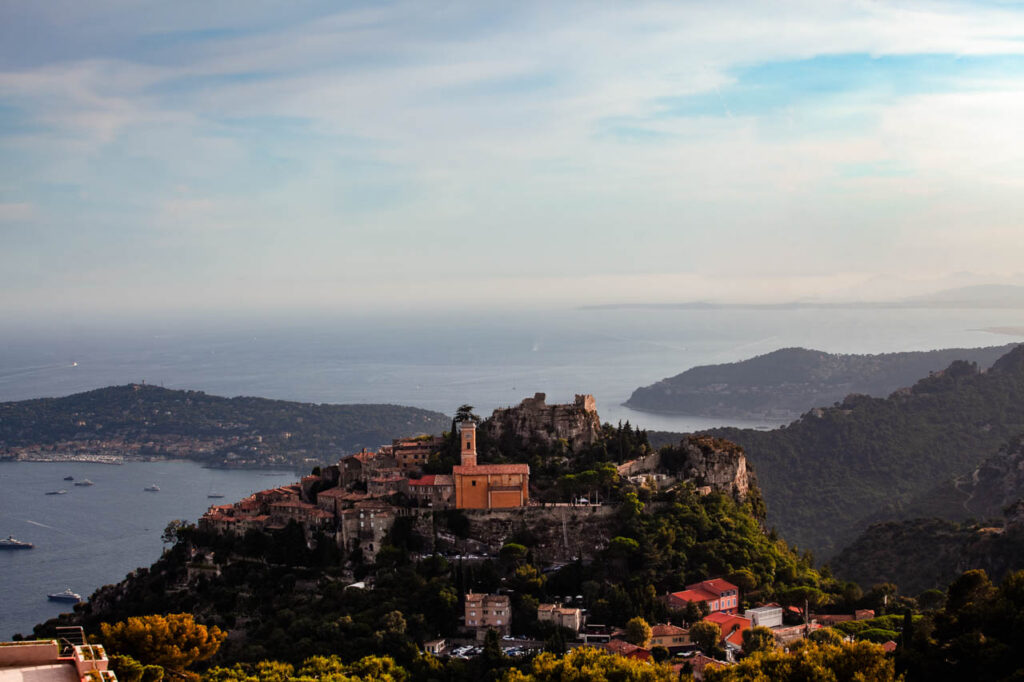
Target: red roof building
{"x": 624, "y": 648}
{"x": 732, "y": 628}
{"x": 720, "y": 596}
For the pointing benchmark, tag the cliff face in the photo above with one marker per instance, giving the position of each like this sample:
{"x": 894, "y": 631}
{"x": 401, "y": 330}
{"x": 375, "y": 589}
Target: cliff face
{"x": 712, "y": 463}
{"x": 534, "y": 422}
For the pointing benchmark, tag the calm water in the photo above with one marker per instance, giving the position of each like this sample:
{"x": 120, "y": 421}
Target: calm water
{"x": 95, "y": 535}
{"x": 441, "y": 362}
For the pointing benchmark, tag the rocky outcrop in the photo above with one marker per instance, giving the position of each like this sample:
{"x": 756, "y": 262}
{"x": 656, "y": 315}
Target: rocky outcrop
{"x": 712, "y": 463}
{"x": 533, "y": 422}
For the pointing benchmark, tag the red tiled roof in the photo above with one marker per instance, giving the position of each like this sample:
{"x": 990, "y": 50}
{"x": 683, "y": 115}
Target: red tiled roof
{"x": 666, "y": 630}
{"x": 716, "y": 586}
{"x": 432, "y": 479}
{"x": 483, "y": 469}
{"x": 620, "y": 646}
{"x": 889, "y": 646}
{"x": 732, "y": 626}
{"x": 694, "y": 595}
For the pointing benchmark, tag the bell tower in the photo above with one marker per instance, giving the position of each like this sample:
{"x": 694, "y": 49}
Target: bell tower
{"x": 467, "y": 438}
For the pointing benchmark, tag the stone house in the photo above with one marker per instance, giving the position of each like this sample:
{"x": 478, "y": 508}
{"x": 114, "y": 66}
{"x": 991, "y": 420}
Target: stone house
{"x": 563, "y": 616}
{"x": 488, "y": 612}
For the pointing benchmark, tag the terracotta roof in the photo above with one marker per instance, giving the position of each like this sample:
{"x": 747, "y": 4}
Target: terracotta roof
{"x": 715, "y": 586}
{"x": 667, "y": 629}
{"x": 620, "y": 646}
{"x": 694, "y": 595}
{"x": 732, "y": 626}
{"x": 483, "y": 469}
{"x": 889, "y": 646}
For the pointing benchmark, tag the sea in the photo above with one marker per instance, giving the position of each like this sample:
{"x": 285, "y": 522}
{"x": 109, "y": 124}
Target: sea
{"x": 94, "y": 536}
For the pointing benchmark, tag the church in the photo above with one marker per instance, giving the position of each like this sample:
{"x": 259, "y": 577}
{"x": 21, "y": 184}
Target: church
{"x": 487, "y": 486}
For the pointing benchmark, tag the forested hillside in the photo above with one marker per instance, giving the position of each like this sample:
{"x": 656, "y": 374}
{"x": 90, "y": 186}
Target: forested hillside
{"x": 786, "y": 383}
{"x": 826, "y": 474}
{"x": 927, "y": 554}
{"x": 136, "y": 413}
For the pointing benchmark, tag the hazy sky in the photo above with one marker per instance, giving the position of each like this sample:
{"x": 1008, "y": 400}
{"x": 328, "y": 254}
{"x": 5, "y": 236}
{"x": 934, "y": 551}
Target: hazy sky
{"x": 263, "y": 155}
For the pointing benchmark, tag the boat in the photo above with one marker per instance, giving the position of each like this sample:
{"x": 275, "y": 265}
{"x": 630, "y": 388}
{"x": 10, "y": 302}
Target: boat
{"x": 152, "y": 488}
{"x": 11, "y": 543}
{"x": 57, "y": 492}
{"x": 84, "y": 482}
{"x": 215, "y": 496}
{"x": 69, "y": 478}
{"x": 66, "y": 595}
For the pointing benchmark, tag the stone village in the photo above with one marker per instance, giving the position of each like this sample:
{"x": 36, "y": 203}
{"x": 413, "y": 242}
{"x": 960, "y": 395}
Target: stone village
{"x": 359, "y": 499}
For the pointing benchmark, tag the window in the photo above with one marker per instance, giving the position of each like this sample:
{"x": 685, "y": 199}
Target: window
{"x": 474, "y": 482}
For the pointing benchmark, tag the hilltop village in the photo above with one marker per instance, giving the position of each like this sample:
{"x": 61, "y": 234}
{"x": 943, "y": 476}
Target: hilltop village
{"x": 359, "y": 503}
{"x": 360, "y": 497}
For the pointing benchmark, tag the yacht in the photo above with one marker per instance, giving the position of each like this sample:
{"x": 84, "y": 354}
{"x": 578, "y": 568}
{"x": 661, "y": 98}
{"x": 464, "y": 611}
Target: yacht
{"x": 11, "y": 543}
{"x": 152, "y": 488}
{"x": 84, "y": 482}
{"x": 57, "y": 492}
{"x": 66, "y": 595}
{"x": 69, "y": 478}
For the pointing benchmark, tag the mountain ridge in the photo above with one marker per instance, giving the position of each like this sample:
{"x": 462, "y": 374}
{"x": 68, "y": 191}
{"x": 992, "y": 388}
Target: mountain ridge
{"x": 785, "y": 383}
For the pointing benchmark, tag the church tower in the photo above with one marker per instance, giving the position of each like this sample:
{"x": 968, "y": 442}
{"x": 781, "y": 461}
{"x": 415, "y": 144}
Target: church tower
{"x": 467, "y": 437}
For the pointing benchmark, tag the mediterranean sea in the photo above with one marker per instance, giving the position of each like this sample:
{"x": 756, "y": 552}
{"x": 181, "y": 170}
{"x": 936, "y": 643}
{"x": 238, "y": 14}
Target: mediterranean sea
{"x": 94, "y": 536}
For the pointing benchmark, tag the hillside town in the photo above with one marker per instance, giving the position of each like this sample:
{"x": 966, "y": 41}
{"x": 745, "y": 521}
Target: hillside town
{"x": 359, "y": 499}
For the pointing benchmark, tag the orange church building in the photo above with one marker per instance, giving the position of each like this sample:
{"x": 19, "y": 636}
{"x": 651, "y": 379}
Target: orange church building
{"x": 487, "y": 486}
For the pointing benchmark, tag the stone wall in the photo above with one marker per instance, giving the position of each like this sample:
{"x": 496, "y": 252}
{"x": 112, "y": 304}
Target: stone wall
{"x": 534, "y": 422}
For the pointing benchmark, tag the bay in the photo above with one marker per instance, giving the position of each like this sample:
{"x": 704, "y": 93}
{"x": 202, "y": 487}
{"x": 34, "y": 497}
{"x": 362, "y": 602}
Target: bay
{"x": 95, "y": 535}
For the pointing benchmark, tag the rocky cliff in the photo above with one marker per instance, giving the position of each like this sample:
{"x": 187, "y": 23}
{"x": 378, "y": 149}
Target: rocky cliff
{"x": 710, "y": 463}
{"x": 534, "y": 423}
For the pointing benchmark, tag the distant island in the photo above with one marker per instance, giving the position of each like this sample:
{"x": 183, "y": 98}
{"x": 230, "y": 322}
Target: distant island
{"x": 142, "y": 422}
{"x": 981, "y": 296}
{"x": 784, "y": 384}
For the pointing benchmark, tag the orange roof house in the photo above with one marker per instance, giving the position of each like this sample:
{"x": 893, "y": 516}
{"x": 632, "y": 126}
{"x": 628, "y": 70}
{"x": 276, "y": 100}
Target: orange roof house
{"x": 732, "y": 628}
{"x": 487, "y": 486}
{"x": 624, "y": 648}
{"x": 718, "y": 594}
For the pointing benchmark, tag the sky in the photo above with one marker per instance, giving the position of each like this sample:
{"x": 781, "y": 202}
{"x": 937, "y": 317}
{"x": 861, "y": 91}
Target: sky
{"x": 395, "y": 156}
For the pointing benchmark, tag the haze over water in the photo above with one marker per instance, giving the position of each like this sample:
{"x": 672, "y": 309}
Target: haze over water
{"x": 484, "y": 358}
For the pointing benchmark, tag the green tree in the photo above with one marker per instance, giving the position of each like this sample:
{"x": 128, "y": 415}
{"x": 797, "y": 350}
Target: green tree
{"x": 758, "y": 639}
{"x": 706, "y": 635}
{"x": 638, "y": 632}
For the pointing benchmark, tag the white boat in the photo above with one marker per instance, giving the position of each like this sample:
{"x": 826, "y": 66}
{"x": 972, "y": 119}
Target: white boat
{"x": 57, "y": 492}
{"x": 11, "y": 543}
{"x": 152, "y": 488}
{"x": 84, "y": 482}
{"x": 66, "y": 595}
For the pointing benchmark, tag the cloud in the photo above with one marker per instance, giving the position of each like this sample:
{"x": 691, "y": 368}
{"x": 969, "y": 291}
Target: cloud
{"x": 536, "y": 140}
{"x": 16, "y": 212}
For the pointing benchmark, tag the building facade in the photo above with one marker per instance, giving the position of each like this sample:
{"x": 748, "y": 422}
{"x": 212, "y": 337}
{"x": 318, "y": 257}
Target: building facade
{"x": 487, "y": 486}
{"x": 719, "y": 595}
{"x": 488, "y": 612}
